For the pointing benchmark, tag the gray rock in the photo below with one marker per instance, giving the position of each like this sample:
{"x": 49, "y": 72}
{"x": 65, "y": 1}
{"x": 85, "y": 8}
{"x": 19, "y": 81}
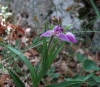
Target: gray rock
{"x": 95, "y": 46}
{"x": 71, "y": 16}
{"x": 31, "y": 13}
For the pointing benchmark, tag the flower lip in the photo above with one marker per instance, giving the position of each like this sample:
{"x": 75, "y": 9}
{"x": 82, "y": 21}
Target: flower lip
{"x": 63, "y": 37}
{"x": 58, "y": 29}
{"x": 71, "y": 37}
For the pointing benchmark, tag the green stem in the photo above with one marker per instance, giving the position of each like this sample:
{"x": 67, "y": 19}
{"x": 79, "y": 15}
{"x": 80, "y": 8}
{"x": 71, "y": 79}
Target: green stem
{"x": 50, "y": 42}
{"x": 95, "y": 8}
{"x": 86, "y": 31}
{"x": 49, "y": 62}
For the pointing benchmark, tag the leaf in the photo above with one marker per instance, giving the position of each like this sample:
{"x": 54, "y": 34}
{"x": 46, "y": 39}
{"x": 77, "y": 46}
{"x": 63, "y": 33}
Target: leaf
{"x": 17, "y": 44}
{"x": 50, "y": 60}
{"x": 27, "y": 62}
{"x": 53, "y": 47}
{"x": 67, "y": 27}
{"x": 54, "y": 54}
{"x": 97, "y": 78}
{"x": 52, "y": 27}
{"x": 1, "y": 65}
{"x": 80, "y": 57}
{"x": 16, "y": 79}
{"x": 46, "y": 25}
{"x": 36, "y": 40}
{"x": 45, "y": 53}
{"x": 88, "y": 76}
{"x": 30, "y": 66}
{"x": 55, "y": 75}
{"x": 80, "y": 77}
{"x": 65, "y": 84}
{"x": 35, "y": 43}
{"x": 95, "y": 8}
{"x": 76, "y": 78}
{"x": 89, "y": 65}
{"x": 51, "y": 71}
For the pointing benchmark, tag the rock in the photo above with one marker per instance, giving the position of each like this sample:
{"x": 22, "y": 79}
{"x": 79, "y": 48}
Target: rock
{"x": 33, "y": 13}
{"x": 68, "y": 16}
{"x": 95, "y": 43}
{"x": 25, "y": 11}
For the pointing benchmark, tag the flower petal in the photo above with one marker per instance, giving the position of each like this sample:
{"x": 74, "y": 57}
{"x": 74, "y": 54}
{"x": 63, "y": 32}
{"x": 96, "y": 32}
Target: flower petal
{"x": 47, "y": 34}
{"x": 71, "y": 37}
{"x": 57, "y": 29}
{"x": 63, "y": 37}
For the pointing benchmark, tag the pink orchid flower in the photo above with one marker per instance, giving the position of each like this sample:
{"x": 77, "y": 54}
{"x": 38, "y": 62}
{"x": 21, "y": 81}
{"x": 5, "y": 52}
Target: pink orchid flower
{"x": 71, "y": 37}
{"x": 58, "y": 32}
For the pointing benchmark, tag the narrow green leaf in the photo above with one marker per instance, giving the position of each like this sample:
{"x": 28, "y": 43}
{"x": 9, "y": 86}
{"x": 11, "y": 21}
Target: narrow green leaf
{"x": 16, "y": 79}
{"x": 65, "y": 84}
{"x": 17, "y": 43}
{"x": 53, "y": 47}
{"x": 52, "y": 27}
{"x": 37, "y": 39}
{"x": 1, "y": 65}
{"x": 53, "y": 56}
{"x": 49, "y": 62}
{"x": 88, "y": 76}
{"x": 89, "y": 65}
{"x": 30, "y": 66}
{"x": 97, "y": 78}
{"x": 35, "y": 44}
{"x": 27, "y": 62}
{"x": 95, "y": 8}
{"x": 46, "y": 25}
{"x": 45, "y": 53}
{"x": 80, "y": 77}
{"x": 67, "y": 27}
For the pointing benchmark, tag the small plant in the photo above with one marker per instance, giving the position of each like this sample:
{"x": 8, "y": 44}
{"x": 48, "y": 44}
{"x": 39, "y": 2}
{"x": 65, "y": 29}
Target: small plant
{"x": 47, "y": 43}
{"x": 4, "y": 14}
{"x": 49, "y": 53}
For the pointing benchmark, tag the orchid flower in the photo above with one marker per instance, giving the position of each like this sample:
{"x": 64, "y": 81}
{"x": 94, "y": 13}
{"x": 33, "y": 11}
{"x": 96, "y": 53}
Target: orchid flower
{"x": 58, "y": 32}
{"x": 71, "y": 37}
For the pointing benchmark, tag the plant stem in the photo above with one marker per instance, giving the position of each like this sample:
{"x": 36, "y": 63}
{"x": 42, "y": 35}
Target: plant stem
{"x": 95, "y": 8}
{"x": 86, "y": 31}
{"x": 50, "y": 42}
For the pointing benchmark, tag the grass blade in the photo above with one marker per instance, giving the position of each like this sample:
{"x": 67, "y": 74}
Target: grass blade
{"x": 65, "y": 84}
{"x": 53, "y": 56}
{"x": 27, "y": 62}
{"x": 45, "y": 53}
{"x": 53, "y": 48}
{"x": 95, "y": 8}
{"x": 49, "y": 62}
{"x": 16, "y": 79}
